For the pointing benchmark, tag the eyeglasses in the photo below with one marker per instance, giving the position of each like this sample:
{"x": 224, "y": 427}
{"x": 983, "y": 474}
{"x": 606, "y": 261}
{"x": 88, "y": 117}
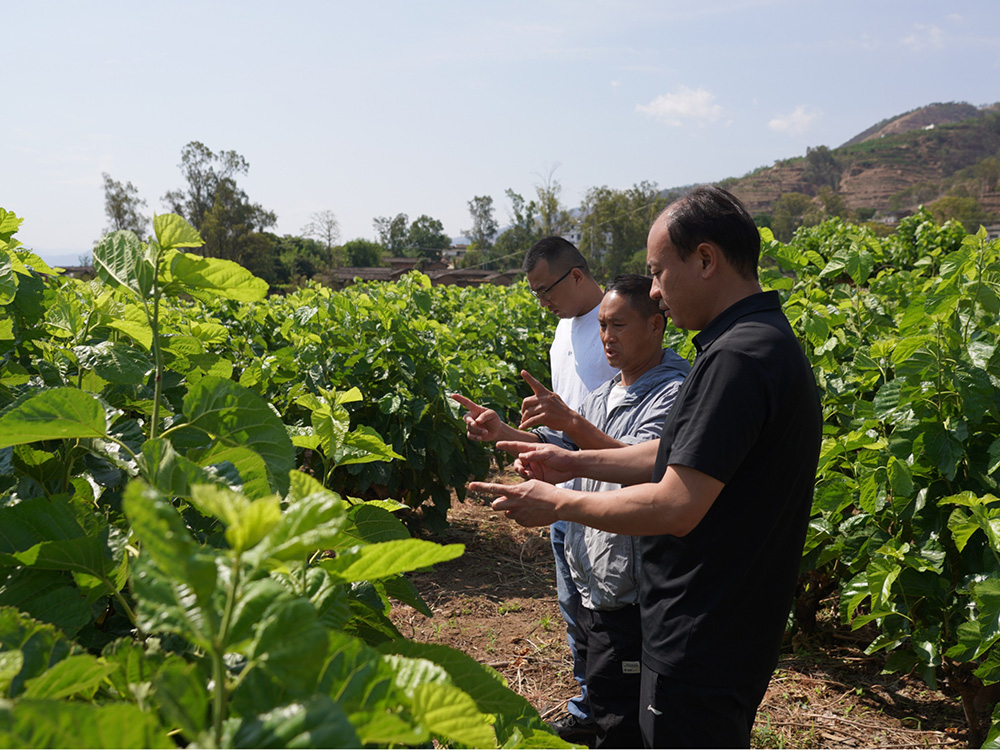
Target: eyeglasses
{"x": 543, "y": 294}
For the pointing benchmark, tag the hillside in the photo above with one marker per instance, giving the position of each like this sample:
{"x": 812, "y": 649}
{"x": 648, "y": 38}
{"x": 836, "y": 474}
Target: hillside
{"x": 896, "y": 165}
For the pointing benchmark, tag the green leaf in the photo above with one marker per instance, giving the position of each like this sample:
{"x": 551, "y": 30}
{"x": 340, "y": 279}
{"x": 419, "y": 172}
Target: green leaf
{"x": 54, "y": 414}
{"x": 317, "y": 722}
{"x": 907, "y": 347}
{"x": 859, "y": 266}
{"x": 85, "y": 554}
{"x": 486, "y": 686}
{"x": 887, "y": 400}
{"x": 291, "y": 644}
{"x": 25, "y": 259}
{"x": 451, "y": 713}
{"x": 362, "y": 445}
{"x": 179, "y": 691}
{"x": 173, "y": 231}
{"x": 115, "y": 362}
{"x": 40, "y": 645}
{"x": 11, "y": 664}
{"x": 74, "y": 676}
{"x": 237, "y": 417}
{"x": 900, "y": 478}
{"x": 307, "y": 525}
{"x": 9, "y": 223}
{"x": 944, "y": 449}
{"x": 174, "y": 578}
{"x": 168, "y": 471}
{"x": 59, "y": 724}
{"x": 390, "y": 558}
{"x": 987, "y": 597}
{"x": 210, "y": 278}
{"x": 35, "y": 521}
{"x": 402, "y": 590}
{"x": 254, "y": 477}
{"x": 118, "y": 261}
{"x": 367, "y": 522}
{"x": 247, "y": 521}
{"x": 9, "y": 281}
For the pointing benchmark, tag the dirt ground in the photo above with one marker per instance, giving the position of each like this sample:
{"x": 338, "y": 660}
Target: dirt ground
{"x": 497, "y": 603}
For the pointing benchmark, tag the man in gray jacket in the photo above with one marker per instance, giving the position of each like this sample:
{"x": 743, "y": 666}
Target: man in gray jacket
{"x": 626, "y": 410}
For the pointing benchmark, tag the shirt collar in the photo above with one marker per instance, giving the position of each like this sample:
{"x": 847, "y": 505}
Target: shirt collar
{"x": 755, "y": 303}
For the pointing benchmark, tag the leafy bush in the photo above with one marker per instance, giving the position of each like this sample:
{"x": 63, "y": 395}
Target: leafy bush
{"x": 902, "y": 333}
{"x": 167, "y": 577}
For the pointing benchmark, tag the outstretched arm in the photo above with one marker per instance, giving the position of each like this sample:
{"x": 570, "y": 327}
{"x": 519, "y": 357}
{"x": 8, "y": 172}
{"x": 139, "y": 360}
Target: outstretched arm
{"x": 631, "y": 464}
{"x": 485, "y": 425}
{"x": 546, "y": 408}
{"x": 674, "y": 505}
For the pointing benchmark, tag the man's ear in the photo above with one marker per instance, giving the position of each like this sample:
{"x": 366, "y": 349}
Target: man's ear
{"x": 709, "y": 255}
{"x": 658, "y": 321}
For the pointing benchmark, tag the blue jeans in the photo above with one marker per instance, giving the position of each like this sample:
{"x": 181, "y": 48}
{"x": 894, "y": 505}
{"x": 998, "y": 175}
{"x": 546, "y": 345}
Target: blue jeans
{"x": 569, "y": 602}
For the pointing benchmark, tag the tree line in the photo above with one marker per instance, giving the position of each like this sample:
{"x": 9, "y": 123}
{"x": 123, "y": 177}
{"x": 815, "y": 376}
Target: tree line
{"x": 610, "y": 226}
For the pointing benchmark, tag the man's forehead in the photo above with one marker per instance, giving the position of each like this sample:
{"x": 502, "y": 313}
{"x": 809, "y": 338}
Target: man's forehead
{"x": 540, "y": 270}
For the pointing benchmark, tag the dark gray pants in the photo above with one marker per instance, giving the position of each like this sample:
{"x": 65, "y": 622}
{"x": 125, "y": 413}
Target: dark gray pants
{"x": 675, "y": 714}
{"x": 610, "y": 644}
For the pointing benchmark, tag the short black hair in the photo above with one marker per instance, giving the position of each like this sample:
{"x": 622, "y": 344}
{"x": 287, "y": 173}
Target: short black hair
{"x": 635, "y": 289}
{"x": 559, "y": 253}
{"x": 712, "y": 214}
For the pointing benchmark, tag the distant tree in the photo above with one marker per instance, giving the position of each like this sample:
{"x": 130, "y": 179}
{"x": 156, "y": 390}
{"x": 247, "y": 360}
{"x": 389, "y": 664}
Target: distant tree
{"x": 426, "y": 238}
{"x": 833, "y": 203}
{"x": 230, "y": 225}
{"x": 864, "y": 213}
{"x": 473, "y": 258}
{"x": 303, "y": 266}
{"x": 362, "y": 253}
{"x": 258, "y": 253}
{"x": 204, "y": 171}
{"x": 222, "y": 212}
{"x": 289, "y": 248}
{"x": 615, "y": 224}
{"x": 964, "y": 209}
{"x": 122, "y": 206}
{"x": 763, "y": 219}
{"x": 553, "y": 218}
{"x": 509, "y": 249}
{"x": 392, "y": 232}
{"x": 324, "y": 227}
{"x": 988, "y": 172}
{"x": 484, "y": 224}
{"x": 822, "y": 168}
{"x": 791, "y": 211}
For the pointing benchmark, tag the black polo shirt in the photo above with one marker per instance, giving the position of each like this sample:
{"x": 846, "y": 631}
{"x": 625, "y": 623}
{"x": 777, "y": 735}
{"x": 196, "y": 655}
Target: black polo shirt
{"x": 715, "y": 602}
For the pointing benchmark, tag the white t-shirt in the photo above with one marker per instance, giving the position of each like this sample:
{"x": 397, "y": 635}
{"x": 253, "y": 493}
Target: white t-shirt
{"x": 577, "y": 358}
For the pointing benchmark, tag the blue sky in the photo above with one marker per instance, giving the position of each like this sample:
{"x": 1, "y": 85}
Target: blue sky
{"x": 371, "y": 109}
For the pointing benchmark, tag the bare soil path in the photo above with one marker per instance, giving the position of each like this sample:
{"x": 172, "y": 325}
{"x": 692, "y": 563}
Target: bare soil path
{"x": 497, "y": 603}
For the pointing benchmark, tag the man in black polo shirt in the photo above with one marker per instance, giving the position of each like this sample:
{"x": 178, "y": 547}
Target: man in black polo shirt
{"x": 724, "y": 518}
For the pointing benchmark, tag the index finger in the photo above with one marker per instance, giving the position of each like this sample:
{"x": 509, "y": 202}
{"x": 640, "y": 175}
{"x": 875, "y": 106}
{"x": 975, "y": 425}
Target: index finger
{"x": 536, "y": 386}
{"x": 467, "y": 403}
{"x": 518, "y": 446}
{"x": 488, "y": 488}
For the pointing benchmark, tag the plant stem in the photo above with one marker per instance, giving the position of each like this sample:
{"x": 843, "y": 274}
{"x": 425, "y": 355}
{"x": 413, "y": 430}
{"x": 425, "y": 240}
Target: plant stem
{"x": 219, "y": 650}
{"x": 158, "y": 357}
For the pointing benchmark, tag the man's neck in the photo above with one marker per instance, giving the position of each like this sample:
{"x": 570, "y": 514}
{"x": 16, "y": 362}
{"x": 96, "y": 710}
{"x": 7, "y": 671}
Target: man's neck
{"x": 730, "y": 294}
{"x": 590, "y": 297}
{"x": 634, "y": 373}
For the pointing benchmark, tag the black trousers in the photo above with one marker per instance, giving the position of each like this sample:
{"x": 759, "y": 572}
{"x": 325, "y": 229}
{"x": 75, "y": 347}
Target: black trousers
{"x": 675, "y": 714}
{"x": 609, "y": 643}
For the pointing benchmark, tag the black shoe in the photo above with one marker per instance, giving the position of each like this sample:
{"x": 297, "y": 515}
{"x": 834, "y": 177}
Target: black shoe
{"x": 574, "y": 729}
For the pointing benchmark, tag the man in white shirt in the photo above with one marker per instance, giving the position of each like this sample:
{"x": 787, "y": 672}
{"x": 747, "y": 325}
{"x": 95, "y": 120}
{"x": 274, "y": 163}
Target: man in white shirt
{"x": 560, "y": 279}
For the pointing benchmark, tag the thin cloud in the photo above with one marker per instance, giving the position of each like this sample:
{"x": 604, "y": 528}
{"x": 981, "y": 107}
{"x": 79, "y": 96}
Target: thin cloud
{"x": 682, "y": 105}
{"x": 924, "y": 37}
{"x": 796, "y": 122}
